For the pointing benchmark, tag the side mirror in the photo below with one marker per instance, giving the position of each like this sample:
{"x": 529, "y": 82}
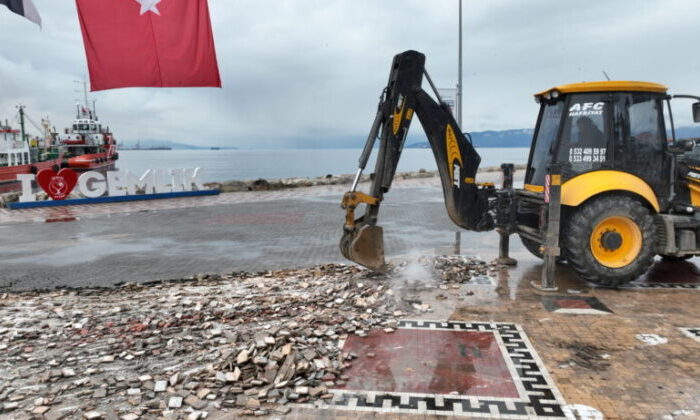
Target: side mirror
{"x": 696, "y": 112}
{"x": 686, "y": 145}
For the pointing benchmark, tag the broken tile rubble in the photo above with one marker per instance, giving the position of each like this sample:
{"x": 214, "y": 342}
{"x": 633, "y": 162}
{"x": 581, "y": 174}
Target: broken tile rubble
{"x": 244, "y": 343}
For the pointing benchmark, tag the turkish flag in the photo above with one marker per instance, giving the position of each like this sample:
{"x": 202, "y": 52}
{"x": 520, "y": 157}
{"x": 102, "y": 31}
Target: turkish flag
{"x": 148, "y": 43}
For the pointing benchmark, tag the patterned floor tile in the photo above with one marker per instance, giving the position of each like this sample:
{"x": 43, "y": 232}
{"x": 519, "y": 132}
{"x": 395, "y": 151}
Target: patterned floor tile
{"x": 449, "y": 368}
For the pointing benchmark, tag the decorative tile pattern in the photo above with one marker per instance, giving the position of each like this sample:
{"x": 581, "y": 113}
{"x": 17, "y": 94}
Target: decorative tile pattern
{"x": 525, "y": 391}
{"x": 680, "y": 286}
{"x": 577, "y": 305}
{"x": 693, "y": 333}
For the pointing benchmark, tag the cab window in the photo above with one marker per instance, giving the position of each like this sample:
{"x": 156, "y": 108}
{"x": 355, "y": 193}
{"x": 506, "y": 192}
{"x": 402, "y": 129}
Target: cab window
{"x": 644, "y": 123}
{"x": 541, "y": 154}
{"x": 584, "y": 137}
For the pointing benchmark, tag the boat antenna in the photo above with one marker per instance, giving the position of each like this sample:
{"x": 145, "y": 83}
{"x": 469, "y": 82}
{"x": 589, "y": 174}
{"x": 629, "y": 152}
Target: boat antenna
{"x": 606, "y": 75}
{"x": 85, "y": 92}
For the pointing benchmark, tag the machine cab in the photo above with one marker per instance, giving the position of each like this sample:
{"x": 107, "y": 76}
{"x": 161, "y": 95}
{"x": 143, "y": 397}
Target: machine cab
{"x": 610, "y": 125}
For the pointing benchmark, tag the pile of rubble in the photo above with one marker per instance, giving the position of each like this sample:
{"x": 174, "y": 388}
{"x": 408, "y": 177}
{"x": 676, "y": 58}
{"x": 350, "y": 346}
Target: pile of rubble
{"x": 244, "y": 344}
{"x": 460, "y": 268}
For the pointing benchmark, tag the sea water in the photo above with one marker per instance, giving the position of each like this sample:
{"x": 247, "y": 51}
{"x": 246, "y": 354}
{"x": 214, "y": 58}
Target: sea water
{"x": 225, "y": 165}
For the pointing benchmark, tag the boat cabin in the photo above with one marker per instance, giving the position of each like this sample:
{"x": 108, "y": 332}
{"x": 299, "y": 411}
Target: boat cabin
{"x": 13, "y": 151}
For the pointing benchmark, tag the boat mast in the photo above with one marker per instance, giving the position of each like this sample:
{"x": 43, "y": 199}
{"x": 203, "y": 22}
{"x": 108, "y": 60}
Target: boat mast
{"x": 87, "y": 105}
{"x": 21, "y": 122}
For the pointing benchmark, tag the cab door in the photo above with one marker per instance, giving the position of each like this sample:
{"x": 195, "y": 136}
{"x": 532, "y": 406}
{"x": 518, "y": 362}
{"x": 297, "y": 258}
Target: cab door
{"x": 640, "y": 141}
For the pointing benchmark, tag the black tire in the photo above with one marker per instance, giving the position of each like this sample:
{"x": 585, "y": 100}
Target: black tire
{"x": 675, "y": 257}
{"x": 577, "y": 240}
{"x": 532, "y": 246}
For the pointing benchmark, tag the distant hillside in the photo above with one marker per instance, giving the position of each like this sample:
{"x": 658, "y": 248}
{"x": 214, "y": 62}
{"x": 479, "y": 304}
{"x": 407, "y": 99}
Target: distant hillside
{"x": 504, "y": 138}
{"x": 145, "y": 144}
{"x": 523, "y": 137}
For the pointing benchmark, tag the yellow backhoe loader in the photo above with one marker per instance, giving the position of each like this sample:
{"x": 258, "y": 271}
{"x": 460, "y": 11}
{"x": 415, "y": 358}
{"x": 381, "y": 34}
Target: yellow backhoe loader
{"x": 629, "y": 189}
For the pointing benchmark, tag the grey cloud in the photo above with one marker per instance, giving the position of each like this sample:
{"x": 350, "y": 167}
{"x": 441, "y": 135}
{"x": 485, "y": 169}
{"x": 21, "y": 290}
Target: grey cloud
{"x": 314, "y": 69}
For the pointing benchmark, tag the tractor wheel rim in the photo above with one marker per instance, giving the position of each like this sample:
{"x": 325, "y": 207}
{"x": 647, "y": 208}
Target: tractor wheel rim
{"x": 626, "y": 252}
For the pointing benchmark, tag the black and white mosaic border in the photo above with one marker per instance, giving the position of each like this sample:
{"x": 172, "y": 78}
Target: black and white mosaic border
{"x": 538, "y": 394}
{"x": 677, "y": 286}
{"x": 693, "y": 333}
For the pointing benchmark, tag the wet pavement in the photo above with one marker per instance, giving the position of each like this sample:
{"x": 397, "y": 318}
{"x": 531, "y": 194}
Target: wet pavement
{"x": 105, "y": 245}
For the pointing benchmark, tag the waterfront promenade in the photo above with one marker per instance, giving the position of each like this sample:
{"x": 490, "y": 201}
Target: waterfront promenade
{"x": 452, "y": 336}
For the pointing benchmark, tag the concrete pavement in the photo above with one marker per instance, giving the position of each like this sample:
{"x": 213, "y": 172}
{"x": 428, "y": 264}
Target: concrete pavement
{"x": 104, "y": 245}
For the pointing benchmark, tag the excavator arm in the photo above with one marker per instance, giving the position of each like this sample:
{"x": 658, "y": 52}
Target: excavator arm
{"x": 467, "y": 203}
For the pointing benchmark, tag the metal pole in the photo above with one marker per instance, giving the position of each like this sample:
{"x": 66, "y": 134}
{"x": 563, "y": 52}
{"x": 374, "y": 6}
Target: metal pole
{"x": 458, "y": 100}
{"x": 459, "y": 71}
{"x": 551, "y": 234}
{"x": 505, "y": 222}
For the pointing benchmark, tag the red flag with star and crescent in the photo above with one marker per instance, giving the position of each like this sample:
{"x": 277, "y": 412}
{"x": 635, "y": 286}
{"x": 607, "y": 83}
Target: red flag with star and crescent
{"x": 148, "y": 43}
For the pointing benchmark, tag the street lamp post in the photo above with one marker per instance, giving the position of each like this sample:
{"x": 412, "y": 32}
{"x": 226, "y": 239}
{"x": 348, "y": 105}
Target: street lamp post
{"x": 458, "y": 106}
{"x": 459, "y": 71}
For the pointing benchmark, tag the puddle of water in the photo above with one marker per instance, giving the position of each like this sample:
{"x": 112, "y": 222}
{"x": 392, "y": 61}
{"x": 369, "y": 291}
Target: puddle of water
{"x": 82, "y": 252}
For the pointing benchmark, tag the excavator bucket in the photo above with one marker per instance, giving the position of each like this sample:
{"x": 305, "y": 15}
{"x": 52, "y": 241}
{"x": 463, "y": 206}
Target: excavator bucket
{"x": 365, "y": 246}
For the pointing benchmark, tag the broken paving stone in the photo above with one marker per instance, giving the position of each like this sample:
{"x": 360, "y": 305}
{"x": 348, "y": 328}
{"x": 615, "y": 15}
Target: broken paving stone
{"x": 179, "y": 324}
{"x": 175, "y": 402}
{"x": 160, "y": 386}
{"x": 41, "y": 409}
{"x": 10, "y": 406}
{"x": 92, "y": 415}
{"x": 242, "y": 357}
{"x": 195, "y": 402}
{"x": 252, "y": 403}
{"x": 233, "y": 376}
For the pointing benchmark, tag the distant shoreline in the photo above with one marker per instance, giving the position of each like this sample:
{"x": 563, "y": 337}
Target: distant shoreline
{"x": 276, "y": 184}
{"x": 214, "y": 149}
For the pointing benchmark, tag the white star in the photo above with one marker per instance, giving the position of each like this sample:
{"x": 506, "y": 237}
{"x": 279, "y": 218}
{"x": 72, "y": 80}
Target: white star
{"x": 149, "y": 6}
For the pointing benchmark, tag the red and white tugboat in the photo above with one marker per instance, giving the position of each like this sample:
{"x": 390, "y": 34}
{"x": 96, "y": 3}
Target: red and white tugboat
{"x": 87, "y": 145}
{"x": 20, "y": 154}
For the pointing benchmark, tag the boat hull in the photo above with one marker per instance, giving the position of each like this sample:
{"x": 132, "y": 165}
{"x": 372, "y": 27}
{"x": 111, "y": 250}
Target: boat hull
{"x": 101, "y": 162}
{"x": 8, "y": 174}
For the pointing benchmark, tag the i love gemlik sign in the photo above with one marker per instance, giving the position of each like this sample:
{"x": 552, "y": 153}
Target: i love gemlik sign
{"x": 111, "y": 186}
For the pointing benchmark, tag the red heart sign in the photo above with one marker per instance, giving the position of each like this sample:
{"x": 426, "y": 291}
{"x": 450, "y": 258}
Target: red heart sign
{"x": 57, "y": 185}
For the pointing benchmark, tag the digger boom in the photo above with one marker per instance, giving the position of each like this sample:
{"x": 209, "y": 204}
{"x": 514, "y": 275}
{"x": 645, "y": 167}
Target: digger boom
{"x": 466, "y": 201}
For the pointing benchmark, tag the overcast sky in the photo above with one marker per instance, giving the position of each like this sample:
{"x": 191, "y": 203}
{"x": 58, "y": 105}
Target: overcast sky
{"x": 313, "y": 69}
